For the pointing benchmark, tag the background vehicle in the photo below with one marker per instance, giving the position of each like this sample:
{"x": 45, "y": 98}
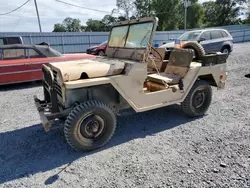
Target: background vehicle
{"x": 22, "y": 63}
{"x": 98, "y": 50}
{"x": 5, "y": 40}
{"x": 212, "y": 40}
{"x": 89, "y": 93}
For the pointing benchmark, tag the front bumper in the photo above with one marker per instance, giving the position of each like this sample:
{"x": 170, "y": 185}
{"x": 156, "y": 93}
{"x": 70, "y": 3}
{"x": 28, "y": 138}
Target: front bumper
{"x": 92, "y": 52}
{"x": 46, "y": 116}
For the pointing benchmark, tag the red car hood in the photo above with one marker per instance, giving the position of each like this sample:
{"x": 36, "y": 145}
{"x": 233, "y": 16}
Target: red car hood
{"x": 65, "y": 57}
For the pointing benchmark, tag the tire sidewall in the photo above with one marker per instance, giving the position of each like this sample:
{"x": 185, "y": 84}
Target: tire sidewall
{"x": 207, "y": 101}
{"x": 196, "y": 47}
{"x": 225, "y": 48}
{"x": 77, "y": 141}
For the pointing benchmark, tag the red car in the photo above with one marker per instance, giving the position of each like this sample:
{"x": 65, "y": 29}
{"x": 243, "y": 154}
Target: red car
{"x": 98, "y": 50}
{"x": 23, "y": 63}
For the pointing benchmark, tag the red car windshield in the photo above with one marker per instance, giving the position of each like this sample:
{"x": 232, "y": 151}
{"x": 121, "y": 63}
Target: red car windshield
{"x": 103, "y": 43}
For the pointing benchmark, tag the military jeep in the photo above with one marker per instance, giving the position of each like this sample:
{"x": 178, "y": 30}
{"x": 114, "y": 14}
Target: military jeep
{"x": 88, "y": 94}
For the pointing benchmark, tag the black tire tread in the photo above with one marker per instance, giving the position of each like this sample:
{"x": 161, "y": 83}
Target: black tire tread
{"x": 186, "y": 105}
{"x": 81, "y": 108}
{"x": 199, "y": 50}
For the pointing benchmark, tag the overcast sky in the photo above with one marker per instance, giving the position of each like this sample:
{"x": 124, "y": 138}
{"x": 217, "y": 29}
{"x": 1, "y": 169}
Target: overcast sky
{"x": 51, "y": 12}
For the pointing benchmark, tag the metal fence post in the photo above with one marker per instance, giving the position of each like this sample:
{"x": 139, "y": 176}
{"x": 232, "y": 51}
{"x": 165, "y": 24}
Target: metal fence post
{"x": 62, "y": 43}
{"x": 30, "y": 39}
{"x": 89, "y": 39}
{"x": 244, "y": 35}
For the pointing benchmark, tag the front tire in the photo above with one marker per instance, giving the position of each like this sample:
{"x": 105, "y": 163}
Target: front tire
{"x": 89, "y": 126}
{"x": 198, "y": 99}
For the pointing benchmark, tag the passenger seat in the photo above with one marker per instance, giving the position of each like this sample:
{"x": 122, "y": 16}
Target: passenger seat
{"x": 178, "y": 66}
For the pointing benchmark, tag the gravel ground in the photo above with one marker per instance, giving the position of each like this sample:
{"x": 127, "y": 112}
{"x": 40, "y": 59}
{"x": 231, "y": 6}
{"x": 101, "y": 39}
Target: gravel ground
{"x": 160, "y": 148}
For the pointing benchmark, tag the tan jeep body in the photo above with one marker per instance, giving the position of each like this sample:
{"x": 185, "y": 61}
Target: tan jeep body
{"x": 126, "y": 77}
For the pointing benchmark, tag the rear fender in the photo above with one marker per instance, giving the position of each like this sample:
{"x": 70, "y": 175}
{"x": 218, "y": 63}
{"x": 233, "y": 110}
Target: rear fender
{"x": 215, "y": 75}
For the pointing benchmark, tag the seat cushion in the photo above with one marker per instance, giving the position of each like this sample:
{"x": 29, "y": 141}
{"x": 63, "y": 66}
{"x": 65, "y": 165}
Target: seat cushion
{"x": 176, "y": 70}
{"x": 162, "y": 78}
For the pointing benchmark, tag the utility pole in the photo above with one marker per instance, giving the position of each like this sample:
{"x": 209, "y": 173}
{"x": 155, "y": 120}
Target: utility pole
{"x": 39, "y": 23}
{"x": 186, "y": 5}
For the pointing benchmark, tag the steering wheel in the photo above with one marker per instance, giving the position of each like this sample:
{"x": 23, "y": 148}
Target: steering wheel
{"x": 158, "y": 56}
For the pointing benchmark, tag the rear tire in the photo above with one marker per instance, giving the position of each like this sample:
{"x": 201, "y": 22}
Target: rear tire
{"x": 89, "y": 126}
{"x": 198, "y": 99}
{"x": 199, "y": 51}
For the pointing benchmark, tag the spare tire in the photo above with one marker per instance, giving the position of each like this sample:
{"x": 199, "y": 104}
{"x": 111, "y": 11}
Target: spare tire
{"x": 199, "y": 51}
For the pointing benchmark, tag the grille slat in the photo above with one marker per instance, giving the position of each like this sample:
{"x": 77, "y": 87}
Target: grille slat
{"x": 56, "y": 85}
{"x": 49, "y": 82}
{"x": 47, "y": 76}
{"x": 58, "y": 90}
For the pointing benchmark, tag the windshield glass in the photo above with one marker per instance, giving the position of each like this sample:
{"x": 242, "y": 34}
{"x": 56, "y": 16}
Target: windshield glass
{"x": 189, "y": 36}
{"x": 118, "y": 36}
{"x": 137, "y": 37}
{"x": 103, "y": 43}
{"x": 55, "y": 52}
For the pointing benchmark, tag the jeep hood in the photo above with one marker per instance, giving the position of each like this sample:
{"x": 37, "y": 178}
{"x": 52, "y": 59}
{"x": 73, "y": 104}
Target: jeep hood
{"x": 93, "y": 68}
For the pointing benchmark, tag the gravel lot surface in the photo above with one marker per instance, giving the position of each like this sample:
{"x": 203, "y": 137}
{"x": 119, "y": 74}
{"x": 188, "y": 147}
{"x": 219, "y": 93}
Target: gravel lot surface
{"x": 160, "y": 148}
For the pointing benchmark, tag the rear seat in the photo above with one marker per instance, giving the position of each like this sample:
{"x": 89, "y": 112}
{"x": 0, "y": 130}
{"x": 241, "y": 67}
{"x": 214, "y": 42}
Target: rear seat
{"x": 178, "y": 66}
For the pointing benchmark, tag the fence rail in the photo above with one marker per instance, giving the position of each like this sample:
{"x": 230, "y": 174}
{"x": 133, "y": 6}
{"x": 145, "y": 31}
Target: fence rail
{"x": 75, "y": 42}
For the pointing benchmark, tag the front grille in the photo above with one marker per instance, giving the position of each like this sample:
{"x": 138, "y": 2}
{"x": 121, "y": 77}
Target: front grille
{"x": 47, "y": 78}
{"x": 57, "y": 86}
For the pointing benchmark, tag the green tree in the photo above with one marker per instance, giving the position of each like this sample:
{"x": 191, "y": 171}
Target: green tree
{"x": 127, "y": 6}
{"x": 59, "y": 28}
{"x": 168, "y": 14}
{"x": 68, "y": 25}
{"x": 121, "y": 18}
{"x": 195, "y": 15}
{"x": 247, "y": 21}
{"x": 72, "y": 25}
{"x": 223, "y": 12}
{"x": 143, "y": 8}
{"x": 210, "y": 13}
{"x": 108, "y": 21}
{"x": 228, "y": 11}
{"x": 94, "y": 25}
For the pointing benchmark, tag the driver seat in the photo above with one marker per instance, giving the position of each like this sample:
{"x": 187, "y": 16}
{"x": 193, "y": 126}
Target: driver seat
{"x": 179, "y": 64}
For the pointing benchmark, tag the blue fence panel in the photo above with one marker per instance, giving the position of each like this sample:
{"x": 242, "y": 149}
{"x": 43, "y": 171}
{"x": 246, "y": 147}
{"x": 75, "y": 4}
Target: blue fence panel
{"x": 75, "y": 42}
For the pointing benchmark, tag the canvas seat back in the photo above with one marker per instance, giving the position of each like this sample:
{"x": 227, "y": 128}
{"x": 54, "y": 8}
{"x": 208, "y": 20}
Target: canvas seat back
{"x": 179, "y": 62}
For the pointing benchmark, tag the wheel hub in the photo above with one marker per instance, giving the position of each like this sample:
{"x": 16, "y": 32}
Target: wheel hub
{"x": 199, "y": 99}
{"x": 226, "y": 51}
{"x": 92, "y": 126}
